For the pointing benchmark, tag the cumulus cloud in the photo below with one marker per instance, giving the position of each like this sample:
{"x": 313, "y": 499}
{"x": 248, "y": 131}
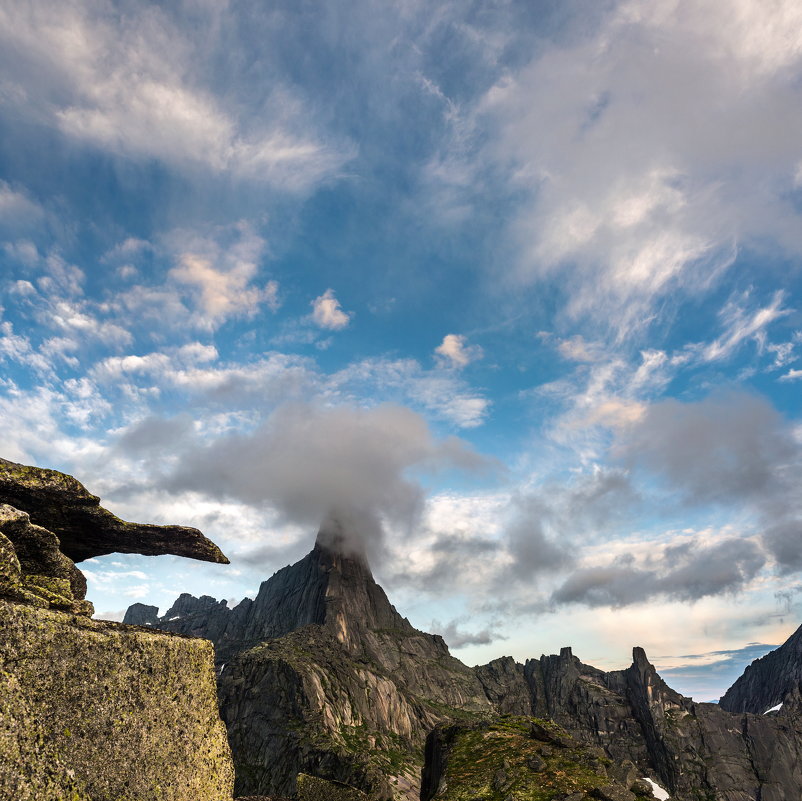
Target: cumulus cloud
{"x": 216, "y": 276}
{"x": 687, "y": 573}
{"x": 311, "y": 462}
{"x": 327, "y": 312}
{"x": 223, "y": 294}
{"x": 454, "y": 352}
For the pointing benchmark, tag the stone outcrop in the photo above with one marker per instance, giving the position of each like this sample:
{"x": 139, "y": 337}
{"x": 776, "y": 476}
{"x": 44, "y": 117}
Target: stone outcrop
{"x": 101, "y": 711}
{"x": 62, "y": 505}
{"x": 34, "y": 570}
{"x": 773, "y": 679}
{"x": 93, "y": 710}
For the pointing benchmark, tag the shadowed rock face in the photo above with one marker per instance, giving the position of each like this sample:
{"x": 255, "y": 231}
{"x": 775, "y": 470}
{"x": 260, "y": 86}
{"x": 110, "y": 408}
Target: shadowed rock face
{"x": 61, "y": 504}
{"x": 696, "y": 751}
{"x": 768, "y": 681}
{"x": 320, "y": 674}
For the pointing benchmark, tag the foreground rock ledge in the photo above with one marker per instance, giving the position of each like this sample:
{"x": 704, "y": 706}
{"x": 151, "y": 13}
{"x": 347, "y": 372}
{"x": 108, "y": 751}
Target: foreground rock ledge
{"x": 61, "y": 504}
{"x": 98, "y": 711}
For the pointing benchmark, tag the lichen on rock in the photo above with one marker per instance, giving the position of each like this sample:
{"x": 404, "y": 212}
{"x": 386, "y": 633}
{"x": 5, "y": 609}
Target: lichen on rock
{"x": 32, "y": 568}
{"x": 106, "y": 712}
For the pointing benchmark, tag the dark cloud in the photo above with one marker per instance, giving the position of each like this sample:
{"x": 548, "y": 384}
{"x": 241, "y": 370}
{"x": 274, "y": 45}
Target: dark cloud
{"x": 547, "y": 524}
{"x": 542, "y": 531}
{"x": 456, "y": 638}
{"x": 689, "y": 573}
{"x": 310, "y": 462}
{"x": 154, "y": 435}
{"x": 732, "y": 449}
{"x": 730, "y": 446}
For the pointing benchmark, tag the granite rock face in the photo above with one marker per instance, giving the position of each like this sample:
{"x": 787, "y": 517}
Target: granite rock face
{"x": 773, "y": 679}
{"x": 62, "y": 505}
{"x": 101, "y": 711}
{"x": 34, "y": 570}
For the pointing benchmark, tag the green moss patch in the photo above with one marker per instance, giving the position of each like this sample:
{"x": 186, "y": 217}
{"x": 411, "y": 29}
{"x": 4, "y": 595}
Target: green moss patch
{"x": 500, "y": 759}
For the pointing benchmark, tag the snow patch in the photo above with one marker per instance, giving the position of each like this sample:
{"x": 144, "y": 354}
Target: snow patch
{"x": 657, "y": 791}
{"x": 171, "y": 619}
{"x": 774, "y": 708}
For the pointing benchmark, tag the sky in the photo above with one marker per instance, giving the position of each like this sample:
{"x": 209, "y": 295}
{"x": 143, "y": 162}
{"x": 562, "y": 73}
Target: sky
{"x": 512, "y": 287}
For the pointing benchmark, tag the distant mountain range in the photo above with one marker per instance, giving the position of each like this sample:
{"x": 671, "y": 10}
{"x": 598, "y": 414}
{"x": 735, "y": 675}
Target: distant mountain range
{"x": 320, "y": 675}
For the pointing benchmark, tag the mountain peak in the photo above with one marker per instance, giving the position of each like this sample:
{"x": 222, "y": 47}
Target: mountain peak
{"x": 339, "y": 539}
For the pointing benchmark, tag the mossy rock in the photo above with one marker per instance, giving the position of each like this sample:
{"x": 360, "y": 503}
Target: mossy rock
{"x": 311, "y": 788}
{"x": 30, "y": 767}
{"x": 32, "y": 568}
{"x": 10, "y": 570}
{"x": 513, "y": 757}
{"x": 129, "y": 715}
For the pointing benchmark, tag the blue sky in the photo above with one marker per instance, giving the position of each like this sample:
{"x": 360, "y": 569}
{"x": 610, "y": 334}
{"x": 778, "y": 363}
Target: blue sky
{"x": 513, "y": 287}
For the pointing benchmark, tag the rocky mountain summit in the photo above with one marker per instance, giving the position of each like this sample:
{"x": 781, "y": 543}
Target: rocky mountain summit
{"x": 320, "y": 675}
{"x": 775, "y": 678}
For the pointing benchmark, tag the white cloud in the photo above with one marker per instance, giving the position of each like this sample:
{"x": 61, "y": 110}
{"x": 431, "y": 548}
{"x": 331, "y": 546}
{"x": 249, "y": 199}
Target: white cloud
{"x": 223, "y": 294}
{"x": 578, "y": 349}
{"x": 17, "y": 208}
{"x": 443, "y": 394}
{"x": 215, "y": 277}
{"x": 132, "y": 84}
{"x": 453, "y": 352}
{"x": 742, "y": 324}
{"x": 327, "y": 312}
{"x": 792, "y": 375}
{"x": 651, "y": 145}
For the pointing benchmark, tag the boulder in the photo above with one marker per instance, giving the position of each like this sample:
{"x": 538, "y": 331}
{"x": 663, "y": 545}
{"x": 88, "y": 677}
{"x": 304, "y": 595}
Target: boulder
{"x": 102, "y": 711}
